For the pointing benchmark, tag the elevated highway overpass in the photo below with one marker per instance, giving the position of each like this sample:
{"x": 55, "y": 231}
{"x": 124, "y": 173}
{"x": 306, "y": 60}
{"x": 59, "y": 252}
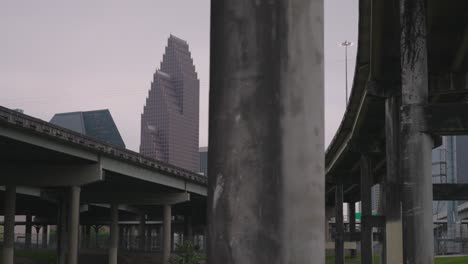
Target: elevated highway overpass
{"x": 50, "y": 172}
{"x": 410, "y": 87}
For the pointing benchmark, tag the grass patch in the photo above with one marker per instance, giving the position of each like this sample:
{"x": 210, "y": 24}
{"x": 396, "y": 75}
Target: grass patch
{"x": 349, "y": 260}
{"x": 444, "y": 260}
{"x": 451, "y": 260}
{"x": 41, "y": 256}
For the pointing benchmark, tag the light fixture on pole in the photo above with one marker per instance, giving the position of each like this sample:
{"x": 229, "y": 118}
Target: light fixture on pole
{"x": 346, "y": 44}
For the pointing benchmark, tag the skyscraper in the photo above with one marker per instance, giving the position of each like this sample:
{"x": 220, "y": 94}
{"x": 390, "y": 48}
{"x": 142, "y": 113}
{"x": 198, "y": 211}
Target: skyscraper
{"x": 97, "y": 124}
{"x": 169, "y": 123}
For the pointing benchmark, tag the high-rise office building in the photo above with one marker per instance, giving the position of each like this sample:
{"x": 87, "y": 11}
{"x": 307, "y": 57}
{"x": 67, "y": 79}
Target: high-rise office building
{"x": 96, "y": 124}
{"x": 169, "y": 123}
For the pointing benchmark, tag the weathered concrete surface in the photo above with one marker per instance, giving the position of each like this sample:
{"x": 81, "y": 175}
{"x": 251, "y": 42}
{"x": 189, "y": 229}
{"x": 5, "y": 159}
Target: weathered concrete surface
{"x": 366, "y": 203}
{"x": 266, "y": 133}
{"x": 114, "y": 234}
{"x": 339, "y": 223}
{"x": 392, "y": 184}
{"x": 167, "y": 237}
{"x": 416, "y": 147}
{"x": 9, "y": 225}
{"x": 73, "y": 226}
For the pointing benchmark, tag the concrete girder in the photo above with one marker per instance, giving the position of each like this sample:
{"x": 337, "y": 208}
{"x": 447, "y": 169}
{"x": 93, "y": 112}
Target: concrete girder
{"x": 48, "y": 143}
{"x": 134, "y": 198}
{"x": 450, "y": 192}
{"x": 44, "y": 175}
{"x": 113, "y": 165}
{"x": 445, "y": 119}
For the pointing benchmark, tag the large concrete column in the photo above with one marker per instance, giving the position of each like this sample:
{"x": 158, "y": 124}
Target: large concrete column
{"x": 167, "y": 220}
{"x": 266, "y": 132}
{"x": 366, "y": 203}
{"x": 418, "y": 238}
{"x": 339, "y": 236}
{"x": 28, "y": 230}
{"x": 114, "y": 234}
{"x": 9, "y": 225}
{"x": 45, "y": 233}
{"x": 352, "y": 222}
{"x": 73, "y": 226}
{"x": 392, "y": 184}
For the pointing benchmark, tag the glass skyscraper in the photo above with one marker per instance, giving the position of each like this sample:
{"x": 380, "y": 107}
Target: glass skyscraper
{"x": 169, "y": 123}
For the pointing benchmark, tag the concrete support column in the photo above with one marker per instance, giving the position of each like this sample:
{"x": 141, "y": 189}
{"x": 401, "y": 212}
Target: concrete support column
{"x": 392, "y": 185}
{"x": 266, "y": 132}
{"x": 121, "y": 236}
{"x": 188, "y": 229}
{"x": 9, "y": 225}
{"x": 366, "y": 201}
{"x": 114, "y": 234}
{"x": 167, "y": 220}
{"x": 418, "y": 238}
{"x": 74, "y": 219}
{"x": 62, "y": 243}
{"x": 141, "y": 232}
{"x": 45, "y": 233}
{"x": 339, "y": 225}
{"x": 28, "y": 230}
{"x": 161, "y": 237}
{"x": 352, "y": 222}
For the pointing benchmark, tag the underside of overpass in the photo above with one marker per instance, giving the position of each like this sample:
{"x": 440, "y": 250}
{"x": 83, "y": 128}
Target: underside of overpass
{"x": 56, "y": 177}
{"x": 410, "y": 88}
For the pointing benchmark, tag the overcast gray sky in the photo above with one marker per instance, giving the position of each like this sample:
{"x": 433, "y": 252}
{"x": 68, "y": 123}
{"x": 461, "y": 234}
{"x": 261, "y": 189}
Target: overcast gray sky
{"x": 62, "y": 56}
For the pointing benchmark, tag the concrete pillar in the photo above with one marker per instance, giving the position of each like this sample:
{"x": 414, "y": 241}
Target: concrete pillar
{"x": 121, "y": 236}
{"x": 366, "y": 203}
{"x": 392, "y": 184}
{"x": 45, "y": 233}
{"x": 73, "y": 226}
{"x": 352, "y": 222}
{"x": 88, "y": 236}
{"x": 418, "y": 238}
{"x": 114, "y": 234}
{"x": 141, "y": 232}
{"x": 148, "y": 238}
{"x": 9, "y": 225}
{"x": 62, "y": 243}
{"x": 188, "y": 229}
{"x": 161, "y": 237}
{"x": 28, "y": 230}
{"x": 339, "y": 225}
{"x": 266, "y": 132}
{"x": 167, "y": 220}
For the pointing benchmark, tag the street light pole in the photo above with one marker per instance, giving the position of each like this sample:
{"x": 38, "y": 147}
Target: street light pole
{"x": 346, "y": 44}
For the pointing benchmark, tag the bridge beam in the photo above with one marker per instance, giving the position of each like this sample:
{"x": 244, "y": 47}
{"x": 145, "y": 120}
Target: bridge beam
{"x": 446, "y": 119}
{"x": 450, "y": 192}
{"x": 133, "y": 198}
{"x": 45, "y": 175}
{"x": 418, "y": 246}
{"x": 266, "y": 132}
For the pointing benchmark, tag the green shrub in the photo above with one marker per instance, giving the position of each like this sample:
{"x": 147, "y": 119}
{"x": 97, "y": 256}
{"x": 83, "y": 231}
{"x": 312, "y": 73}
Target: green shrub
{"x": 187, "y": 254}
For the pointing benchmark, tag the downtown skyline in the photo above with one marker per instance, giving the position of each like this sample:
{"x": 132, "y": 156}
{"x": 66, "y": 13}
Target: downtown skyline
{"x": 65, "y": 57}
